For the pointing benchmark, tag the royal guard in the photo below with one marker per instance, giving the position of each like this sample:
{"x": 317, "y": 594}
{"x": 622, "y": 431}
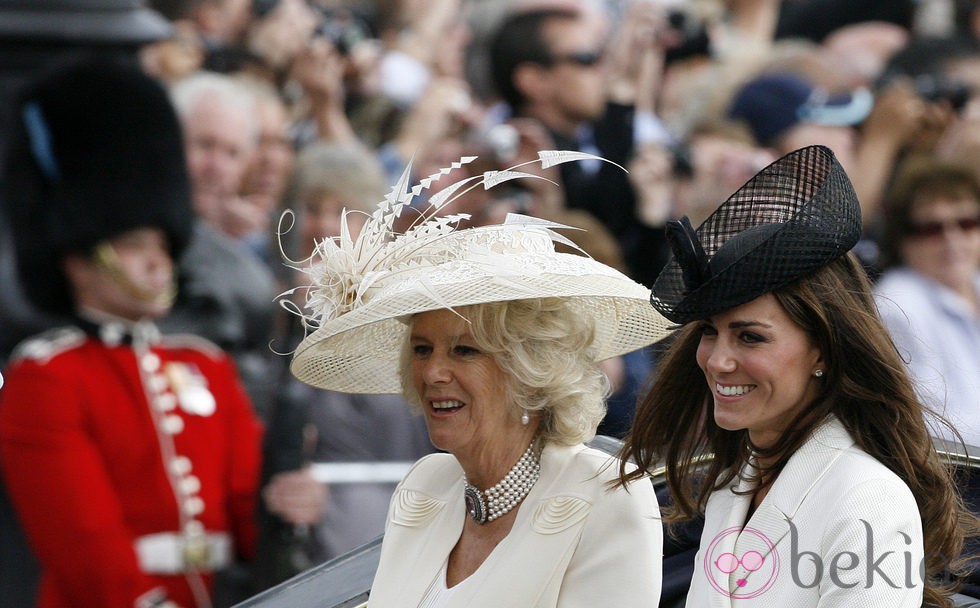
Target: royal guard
{"x": 132, "y": 459}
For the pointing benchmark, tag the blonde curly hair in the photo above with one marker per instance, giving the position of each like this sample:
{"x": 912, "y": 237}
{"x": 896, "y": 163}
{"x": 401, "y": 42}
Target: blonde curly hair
{"x": 546, "y": 351}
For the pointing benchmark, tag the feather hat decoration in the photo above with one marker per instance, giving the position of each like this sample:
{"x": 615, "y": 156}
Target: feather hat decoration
{"x": 362, "y": 290}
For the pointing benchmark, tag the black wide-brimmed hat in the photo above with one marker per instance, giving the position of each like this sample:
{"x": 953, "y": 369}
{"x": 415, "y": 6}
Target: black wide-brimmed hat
{"x": 95, "y": 150}
{"x": 792, "y": 218}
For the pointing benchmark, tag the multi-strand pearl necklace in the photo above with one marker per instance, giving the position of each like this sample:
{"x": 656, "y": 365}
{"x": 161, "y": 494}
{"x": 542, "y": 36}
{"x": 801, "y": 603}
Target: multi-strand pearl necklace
{"x": 489, "y": 504}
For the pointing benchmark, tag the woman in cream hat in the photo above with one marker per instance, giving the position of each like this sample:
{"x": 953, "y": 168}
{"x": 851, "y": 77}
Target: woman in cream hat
{"x": 494, "y": 337}
{"x": 824, "y": 488}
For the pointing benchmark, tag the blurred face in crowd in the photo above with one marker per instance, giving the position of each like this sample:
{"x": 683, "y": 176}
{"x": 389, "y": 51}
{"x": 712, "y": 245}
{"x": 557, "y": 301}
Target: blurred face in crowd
{"x": 281, "y": 34}
{"x": 223, "y": 21}
{"x": 572, "y": 88}
{"x": 219, "y": 141}
{"x": 130, "y": 276}
{"x": 943, "y": 241}
{"x": 321, "y": 218}
{"x": 720, "y": 166}
{"x": 272, "y": 160}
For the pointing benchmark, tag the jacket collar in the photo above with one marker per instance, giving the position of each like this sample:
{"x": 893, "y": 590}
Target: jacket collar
{"x": 113, "y": 331}
{"x": 435, "y": 516}
{"x": 769, "y": 525}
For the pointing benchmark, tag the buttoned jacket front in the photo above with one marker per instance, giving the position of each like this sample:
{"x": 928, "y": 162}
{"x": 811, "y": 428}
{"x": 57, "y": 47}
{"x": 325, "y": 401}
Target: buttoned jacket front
{"x": 102, "y": 446}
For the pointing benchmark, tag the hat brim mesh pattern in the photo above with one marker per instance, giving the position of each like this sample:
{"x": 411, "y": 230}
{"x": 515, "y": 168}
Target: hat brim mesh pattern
{"x": 359, "y": 351}
{"x": 808, "y": 195}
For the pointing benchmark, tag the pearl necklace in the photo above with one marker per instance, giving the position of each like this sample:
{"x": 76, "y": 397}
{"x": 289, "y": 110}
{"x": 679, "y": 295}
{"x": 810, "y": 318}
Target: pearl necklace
{"x": 489, "y": 504}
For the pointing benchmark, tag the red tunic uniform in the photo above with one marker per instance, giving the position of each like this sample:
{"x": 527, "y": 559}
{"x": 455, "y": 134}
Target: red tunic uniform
{"x": 129, "y": 467}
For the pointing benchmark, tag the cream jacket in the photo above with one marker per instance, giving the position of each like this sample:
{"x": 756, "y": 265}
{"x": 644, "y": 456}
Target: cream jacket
{"x": 574, "y": 542}
{"x": 837, "y": 529}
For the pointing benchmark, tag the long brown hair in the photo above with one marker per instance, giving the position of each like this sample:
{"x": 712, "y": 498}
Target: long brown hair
{"x": 865, "y": 385}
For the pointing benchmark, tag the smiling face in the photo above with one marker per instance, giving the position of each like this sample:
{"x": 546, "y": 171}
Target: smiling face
{"x": 464, "y": 397}
{"x": 759, "y": 366}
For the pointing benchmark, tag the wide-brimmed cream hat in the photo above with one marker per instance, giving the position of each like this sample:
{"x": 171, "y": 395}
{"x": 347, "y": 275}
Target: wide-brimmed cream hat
{"x": 364, "y": 291}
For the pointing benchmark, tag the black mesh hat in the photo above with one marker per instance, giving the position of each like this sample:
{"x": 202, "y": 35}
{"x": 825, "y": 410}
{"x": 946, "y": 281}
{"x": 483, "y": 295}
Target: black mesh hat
{"x": 794, "y": 217}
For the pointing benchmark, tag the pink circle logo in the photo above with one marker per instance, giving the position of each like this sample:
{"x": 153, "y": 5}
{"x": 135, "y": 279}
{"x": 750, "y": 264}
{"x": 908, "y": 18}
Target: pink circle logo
{"x": 741, "y": 575}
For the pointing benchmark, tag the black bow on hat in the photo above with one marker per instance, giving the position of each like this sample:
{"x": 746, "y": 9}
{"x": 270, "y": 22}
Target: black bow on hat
{"x": 792, "y": 218}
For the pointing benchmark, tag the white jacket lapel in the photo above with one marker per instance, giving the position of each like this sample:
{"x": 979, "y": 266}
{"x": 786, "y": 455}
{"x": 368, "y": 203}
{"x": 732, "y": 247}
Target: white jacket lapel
{"x": 769, "y": 526}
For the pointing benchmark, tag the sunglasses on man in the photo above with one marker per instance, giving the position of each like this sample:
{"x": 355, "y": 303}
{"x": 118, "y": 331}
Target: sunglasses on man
{"x": 585, "y": 59}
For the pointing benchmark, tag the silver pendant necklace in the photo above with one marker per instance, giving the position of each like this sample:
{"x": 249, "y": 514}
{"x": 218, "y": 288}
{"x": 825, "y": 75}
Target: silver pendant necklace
{"x": 498, "y": 500}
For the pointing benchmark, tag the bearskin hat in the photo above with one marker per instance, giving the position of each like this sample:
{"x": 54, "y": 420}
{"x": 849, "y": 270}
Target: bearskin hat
{"x": 96, "y": 150}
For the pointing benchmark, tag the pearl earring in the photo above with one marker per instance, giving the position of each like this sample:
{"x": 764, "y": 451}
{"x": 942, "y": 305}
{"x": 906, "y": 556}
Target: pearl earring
{"x": 818, "y": 373}
{"x": 525, "y": 418}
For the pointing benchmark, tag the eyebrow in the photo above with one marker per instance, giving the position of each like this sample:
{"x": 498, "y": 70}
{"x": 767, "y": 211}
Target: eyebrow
{"x": 453, "y": 339}
{"x": 741, "y": 324}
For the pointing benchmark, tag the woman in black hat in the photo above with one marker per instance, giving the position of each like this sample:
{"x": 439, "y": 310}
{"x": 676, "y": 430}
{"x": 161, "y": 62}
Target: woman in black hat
{"x": 824, "y": 488}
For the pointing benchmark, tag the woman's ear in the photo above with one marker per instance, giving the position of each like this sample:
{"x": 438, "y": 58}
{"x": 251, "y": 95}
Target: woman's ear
{"x": 819, "y": 365}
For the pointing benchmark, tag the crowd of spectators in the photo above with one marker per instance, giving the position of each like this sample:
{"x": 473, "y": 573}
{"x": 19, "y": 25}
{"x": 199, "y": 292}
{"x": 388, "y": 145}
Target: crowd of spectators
{"x": 691, "y": 97}
{"x": 684, "y": 99}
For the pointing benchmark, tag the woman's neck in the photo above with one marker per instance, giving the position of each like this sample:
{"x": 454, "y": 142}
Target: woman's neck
{"x": 486, "y": 467}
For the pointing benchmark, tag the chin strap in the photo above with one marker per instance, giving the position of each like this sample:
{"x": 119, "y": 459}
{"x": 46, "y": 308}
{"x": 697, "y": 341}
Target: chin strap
{"x": 106, "y": 259}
